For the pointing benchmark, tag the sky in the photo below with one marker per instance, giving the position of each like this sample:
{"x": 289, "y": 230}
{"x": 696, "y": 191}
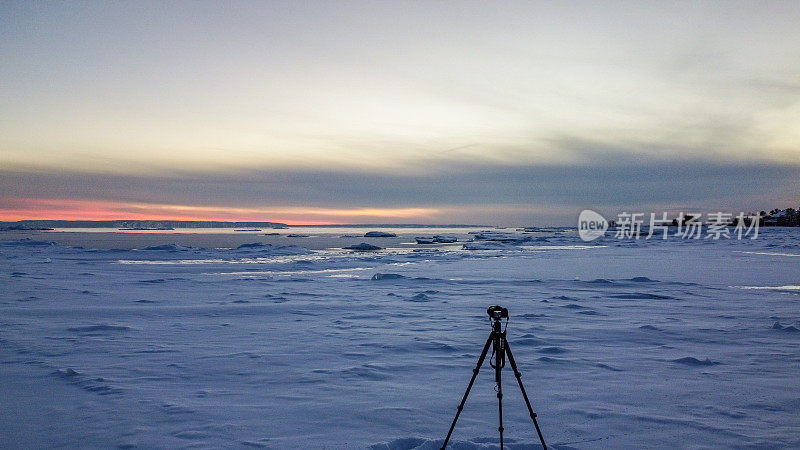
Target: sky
{"x": 500, "y": 113}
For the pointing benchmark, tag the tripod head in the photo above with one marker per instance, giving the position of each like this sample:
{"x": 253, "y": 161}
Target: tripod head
{"x": 496, "y": 314}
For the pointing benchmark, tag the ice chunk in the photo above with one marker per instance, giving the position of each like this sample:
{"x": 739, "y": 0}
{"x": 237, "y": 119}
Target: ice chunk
{"x": 364, "y": 247}
{"x": 789, "y": 328}
{"x": 500, "y": 236}
{"x": 273, "y": 250}
{"x": 690, "y": 361}
{"x": 254, "y": 245}
{"x": 642, "y": 280}
{"x": 387, "y": 276}
{"x": 379, "y": 234}
{"x": 420, "y": 297}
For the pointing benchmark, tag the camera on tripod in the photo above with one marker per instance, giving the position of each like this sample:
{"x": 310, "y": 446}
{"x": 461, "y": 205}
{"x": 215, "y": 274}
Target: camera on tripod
{"x": 500, "y": 350}
{"x": 497, "y": 312}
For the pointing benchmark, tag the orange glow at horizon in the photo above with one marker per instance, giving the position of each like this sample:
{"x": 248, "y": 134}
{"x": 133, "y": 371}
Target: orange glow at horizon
{"x": 14, "y": 209}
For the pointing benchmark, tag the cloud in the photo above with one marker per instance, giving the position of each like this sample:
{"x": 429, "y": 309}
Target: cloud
{"x": 464, "y": 192}
{"x": 423, "y": 111}
{"x": 389, "y": 87}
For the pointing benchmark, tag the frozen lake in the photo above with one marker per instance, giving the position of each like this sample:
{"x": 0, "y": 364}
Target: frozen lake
{"x": 649, "y": 344}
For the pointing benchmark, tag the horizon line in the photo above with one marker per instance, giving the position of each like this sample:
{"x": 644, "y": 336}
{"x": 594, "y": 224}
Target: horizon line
{"x": 287, "y": 223}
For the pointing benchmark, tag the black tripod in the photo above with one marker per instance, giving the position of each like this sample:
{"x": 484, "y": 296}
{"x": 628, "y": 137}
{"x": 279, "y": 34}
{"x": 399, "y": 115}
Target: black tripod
{"x": 500, "y": 348}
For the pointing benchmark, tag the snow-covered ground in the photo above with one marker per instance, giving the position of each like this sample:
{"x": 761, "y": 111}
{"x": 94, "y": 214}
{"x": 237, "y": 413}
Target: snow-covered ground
{"x": 647, "y": 344}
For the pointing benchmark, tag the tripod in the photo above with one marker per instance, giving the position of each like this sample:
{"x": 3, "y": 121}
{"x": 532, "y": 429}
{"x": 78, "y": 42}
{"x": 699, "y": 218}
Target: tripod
{"x": 500, "y": 348}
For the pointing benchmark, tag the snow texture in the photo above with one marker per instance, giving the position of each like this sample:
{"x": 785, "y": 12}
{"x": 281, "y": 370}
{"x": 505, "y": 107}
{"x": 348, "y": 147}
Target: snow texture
{"x": 622, "y": 344}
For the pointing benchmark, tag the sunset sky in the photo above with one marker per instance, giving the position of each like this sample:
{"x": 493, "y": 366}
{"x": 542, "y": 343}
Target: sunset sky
{"x": 509, "y": 113}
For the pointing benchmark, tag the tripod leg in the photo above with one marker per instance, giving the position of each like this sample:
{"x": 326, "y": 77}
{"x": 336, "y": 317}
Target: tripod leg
{"x": 469, "y": 387}
{"x": 498, "y": 368}
{"x": 524, "y": 394}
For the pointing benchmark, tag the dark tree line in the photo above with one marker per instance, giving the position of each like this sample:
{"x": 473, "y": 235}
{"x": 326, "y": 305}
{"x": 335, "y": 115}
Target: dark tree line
{"x": 788, "y": 217}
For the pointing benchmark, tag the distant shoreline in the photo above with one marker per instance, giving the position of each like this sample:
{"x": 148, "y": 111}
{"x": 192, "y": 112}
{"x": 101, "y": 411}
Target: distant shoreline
{"x": 321, "y": 239}
{"x": 33, "y": 225}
